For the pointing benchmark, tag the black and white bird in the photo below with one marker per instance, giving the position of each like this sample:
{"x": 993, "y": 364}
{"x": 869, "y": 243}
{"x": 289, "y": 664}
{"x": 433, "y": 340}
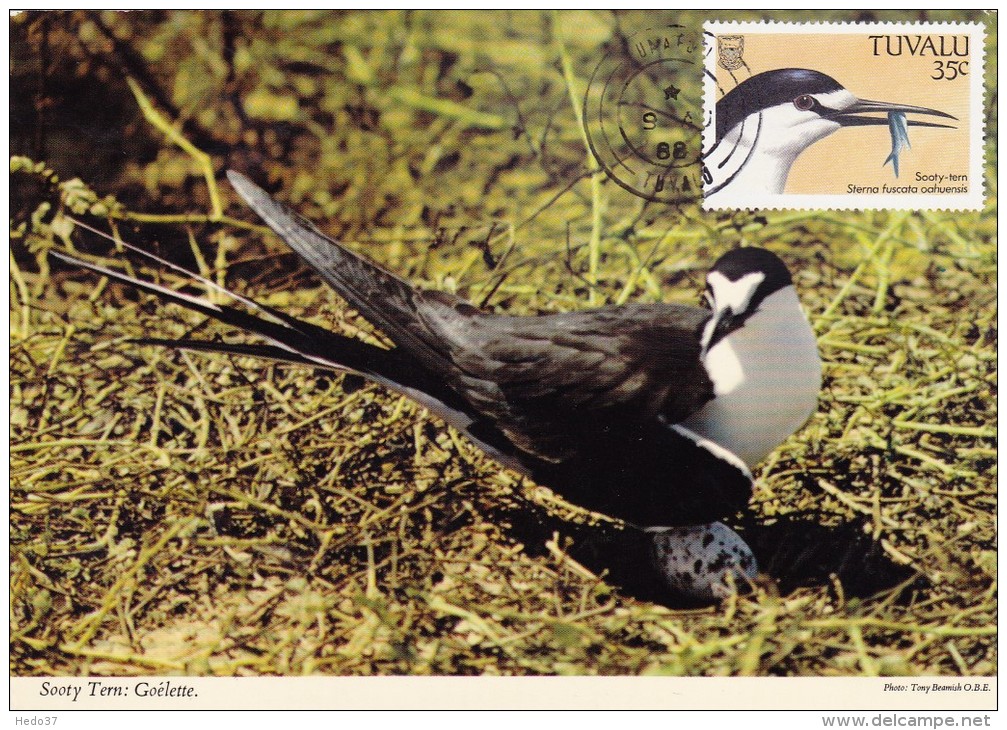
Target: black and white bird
{"x": 651, "y": 413}
{"x": 765, "y": 122}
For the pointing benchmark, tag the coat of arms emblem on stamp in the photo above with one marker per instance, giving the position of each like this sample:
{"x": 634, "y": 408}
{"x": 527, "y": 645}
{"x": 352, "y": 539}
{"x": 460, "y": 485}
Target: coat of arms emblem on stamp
{"x": 730, "y": 49}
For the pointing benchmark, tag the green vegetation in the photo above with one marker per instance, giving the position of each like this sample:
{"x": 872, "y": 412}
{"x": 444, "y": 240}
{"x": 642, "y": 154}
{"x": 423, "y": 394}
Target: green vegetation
{"x": 182, "y": 514}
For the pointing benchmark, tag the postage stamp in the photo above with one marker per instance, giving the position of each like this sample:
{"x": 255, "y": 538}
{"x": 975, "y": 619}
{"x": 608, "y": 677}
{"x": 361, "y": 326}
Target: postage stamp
{"x": 843, "y": 115}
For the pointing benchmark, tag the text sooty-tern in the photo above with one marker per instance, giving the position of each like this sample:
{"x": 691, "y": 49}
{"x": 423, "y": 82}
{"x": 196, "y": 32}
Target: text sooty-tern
{"x": 764, "y": 123}
{"x": 651, "y": 413}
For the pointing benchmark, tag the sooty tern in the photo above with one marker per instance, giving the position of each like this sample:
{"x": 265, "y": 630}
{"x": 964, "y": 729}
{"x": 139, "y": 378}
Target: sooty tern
{"x": 652, "y": 413}
{"x": 765, "y": 122}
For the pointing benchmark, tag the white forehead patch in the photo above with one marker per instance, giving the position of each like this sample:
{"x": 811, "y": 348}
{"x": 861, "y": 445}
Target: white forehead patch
{"x": 734, "y": 294}
{"x": 839, "y": 99}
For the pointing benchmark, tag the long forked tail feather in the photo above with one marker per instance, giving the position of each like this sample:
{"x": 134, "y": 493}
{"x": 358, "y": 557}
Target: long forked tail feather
{"x": 262, "y": 352}
{"x": 293, "y": 340}
{"x": 273, "y": 314}
{"x": 385, "y": 300}
{"x": 269, "y": 312}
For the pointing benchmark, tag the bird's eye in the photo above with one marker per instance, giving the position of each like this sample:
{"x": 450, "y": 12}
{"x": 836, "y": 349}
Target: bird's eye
{"x": 804, "y": 102}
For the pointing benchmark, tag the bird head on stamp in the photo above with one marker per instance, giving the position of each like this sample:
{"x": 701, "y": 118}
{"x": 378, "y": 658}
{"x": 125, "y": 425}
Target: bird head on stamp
{"x": 768, "y": 120}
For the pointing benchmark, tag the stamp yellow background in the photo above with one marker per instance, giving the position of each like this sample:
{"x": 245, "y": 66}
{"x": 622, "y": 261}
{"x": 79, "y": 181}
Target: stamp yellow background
{"x": 856, "y": 154}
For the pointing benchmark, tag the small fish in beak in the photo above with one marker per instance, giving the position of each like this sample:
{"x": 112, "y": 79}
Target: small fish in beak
{"x": 899, "y": 128}
{"x": 858, "y": 114}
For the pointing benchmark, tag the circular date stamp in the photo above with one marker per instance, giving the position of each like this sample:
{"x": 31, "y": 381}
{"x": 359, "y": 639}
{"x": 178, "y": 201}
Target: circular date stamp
{"x": 643, "y": 115}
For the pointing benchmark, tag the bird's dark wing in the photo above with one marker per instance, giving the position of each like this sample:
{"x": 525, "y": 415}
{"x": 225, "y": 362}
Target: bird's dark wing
{"x": 554, "y": 382}
{"x": 385, "y": 300}
{"x": 589, "y": 403}
{"x": 586, "y": 402}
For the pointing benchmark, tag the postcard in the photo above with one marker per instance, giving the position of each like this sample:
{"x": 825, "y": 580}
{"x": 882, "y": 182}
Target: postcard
{"x": 578, "y": 359}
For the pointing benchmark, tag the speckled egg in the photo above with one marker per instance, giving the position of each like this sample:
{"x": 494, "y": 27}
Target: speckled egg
{"x": 695, "y": 561}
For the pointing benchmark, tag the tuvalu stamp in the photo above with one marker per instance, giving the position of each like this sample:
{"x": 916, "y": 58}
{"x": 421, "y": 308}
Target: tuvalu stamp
{"x": 843, "y": 115}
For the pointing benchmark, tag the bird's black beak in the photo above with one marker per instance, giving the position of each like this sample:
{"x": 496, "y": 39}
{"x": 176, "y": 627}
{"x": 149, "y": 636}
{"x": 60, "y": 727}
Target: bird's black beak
{"x": 848, "y": 117}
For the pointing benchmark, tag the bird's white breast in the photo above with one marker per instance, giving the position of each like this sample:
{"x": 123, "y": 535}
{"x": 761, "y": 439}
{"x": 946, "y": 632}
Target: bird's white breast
{"x": 766, "y": 378}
